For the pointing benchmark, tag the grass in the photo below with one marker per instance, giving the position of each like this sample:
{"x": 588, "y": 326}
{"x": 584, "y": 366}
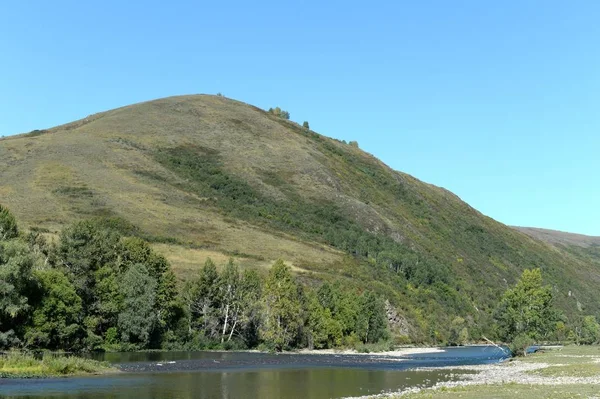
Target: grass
{"x": 25, "y": 365}
{"x": 509, "y": 391}
{"x": 570, "y": 361}
{"x": 263, "y": 188}
{"x": 570, "y": 354}
{"x": 572, "y": 370}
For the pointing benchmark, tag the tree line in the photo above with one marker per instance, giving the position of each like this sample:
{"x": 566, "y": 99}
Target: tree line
{"x": 95, "y": 288}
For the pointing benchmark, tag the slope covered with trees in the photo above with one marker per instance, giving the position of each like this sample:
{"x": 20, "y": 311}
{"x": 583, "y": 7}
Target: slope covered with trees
{"x": 96, "y": 289}
{"x": 206, "y": 176}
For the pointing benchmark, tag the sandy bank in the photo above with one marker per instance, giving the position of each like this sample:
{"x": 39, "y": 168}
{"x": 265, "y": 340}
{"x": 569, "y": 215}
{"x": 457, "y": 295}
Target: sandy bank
{"x": 395, "y": 353}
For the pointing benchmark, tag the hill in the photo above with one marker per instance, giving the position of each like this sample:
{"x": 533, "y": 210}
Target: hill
{"x": 204, "y": 176}
{"x": 586, "y": 248}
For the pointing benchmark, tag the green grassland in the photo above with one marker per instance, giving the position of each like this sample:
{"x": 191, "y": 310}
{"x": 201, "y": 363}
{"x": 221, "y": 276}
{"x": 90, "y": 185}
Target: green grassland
{"x": 23, "y": 365}
{"x": 206, "y": 176}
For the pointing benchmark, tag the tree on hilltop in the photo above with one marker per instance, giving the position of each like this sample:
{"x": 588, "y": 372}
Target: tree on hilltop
{"x": 279, "y": 113}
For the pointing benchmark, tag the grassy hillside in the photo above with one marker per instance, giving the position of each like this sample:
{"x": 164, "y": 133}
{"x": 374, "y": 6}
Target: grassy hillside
{"x": 585, "y": 248}
{"x": 208, "y": 176}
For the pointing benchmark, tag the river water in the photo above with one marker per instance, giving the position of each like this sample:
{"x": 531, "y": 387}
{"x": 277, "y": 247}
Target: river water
{"x": 233, "y": 375}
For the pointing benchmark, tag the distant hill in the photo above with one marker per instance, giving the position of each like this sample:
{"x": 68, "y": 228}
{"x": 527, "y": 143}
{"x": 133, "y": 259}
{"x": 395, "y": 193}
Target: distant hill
{"x": 207, "y": 176}
{"x": 585, "y": 248}
{"x": 560, "y": 238}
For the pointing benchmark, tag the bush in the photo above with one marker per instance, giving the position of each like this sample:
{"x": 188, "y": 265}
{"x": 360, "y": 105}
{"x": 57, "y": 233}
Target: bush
{"x": 279, "y": 113}
{"x": 519, "y": 345}
{"x": 383, "y": 346}
{"x": 8, "y": 224}
{"x": 19, "y": 364}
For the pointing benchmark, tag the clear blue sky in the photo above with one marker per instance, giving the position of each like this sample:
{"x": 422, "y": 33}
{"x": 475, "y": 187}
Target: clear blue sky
{"x": 497, "y": 101}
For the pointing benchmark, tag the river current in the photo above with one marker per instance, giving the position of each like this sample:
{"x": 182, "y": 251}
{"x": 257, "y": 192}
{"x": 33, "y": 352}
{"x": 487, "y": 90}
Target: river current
{"x": 245, "y": 375}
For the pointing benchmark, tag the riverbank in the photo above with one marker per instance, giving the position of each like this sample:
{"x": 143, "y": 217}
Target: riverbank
{"x": 391, "y": 353}
{"x": 24, "y": 365}
{"x": 558, "y": 373}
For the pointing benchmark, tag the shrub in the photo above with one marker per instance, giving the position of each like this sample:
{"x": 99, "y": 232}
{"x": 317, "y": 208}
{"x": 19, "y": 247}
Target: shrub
{"x": 8, "y": 224}
{"x": 19, "y": 364}
{"x": 279, "y": 113}
{"x": 519, "y": 345}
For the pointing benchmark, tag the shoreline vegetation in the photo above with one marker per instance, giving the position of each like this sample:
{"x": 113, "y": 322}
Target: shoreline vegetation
{"x": 561, "y": 372}
{"x": 47, "y": 365}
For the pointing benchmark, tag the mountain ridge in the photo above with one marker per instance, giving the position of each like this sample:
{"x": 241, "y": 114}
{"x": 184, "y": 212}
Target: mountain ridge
{"x": 560, "y": 237}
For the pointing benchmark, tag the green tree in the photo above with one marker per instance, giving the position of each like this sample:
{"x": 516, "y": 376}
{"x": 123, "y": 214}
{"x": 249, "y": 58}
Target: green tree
{"x": 136, "y": 250}
{"x": 527, "y": 309}
{"x": 168, "y": 306}
{"x": 56, "y": 323}
{"x": 279, "y": 113}
{"x": 345, "y": 308}
{"x": 322, "y": 330}
{"x": 562, "y": 331}
{"x": 84, "y": 248}
{"x": 8, "y": 224}
{"x": 459, "y": 333}
{"x": 202, "y": 299}
{"x": 250, "y": 318}
{"x": 16, "y": 285}
{"x": 371, "y": 325}
{"x": 89, "y": 253}
{"x": 282, "y": 309}
{"x": 137, "y": 319}
{"x": 108, "y": 298}
{"x": 590, "y": 330}
{"x": 306, "y": 125}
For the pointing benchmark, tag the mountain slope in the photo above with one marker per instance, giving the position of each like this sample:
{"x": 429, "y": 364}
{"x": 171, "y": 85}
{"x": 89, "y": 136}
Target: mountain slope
{"x": 209, "y": 176}
{"x": 585, "y": 248}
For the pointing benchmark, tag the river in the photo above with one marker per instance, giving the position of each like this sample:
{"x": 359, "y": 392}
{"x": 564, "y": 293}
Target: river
{"x": 244, "y": 375}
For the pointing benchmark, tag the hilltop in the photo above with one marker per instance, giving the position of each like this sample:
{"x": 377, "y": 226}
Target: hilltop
{"x": 205, "y": 176}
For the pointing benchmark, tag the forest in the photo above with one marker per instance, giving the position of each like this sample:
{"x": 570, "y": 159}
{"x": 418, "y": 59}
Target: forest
{"x": 95, "y": 288}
